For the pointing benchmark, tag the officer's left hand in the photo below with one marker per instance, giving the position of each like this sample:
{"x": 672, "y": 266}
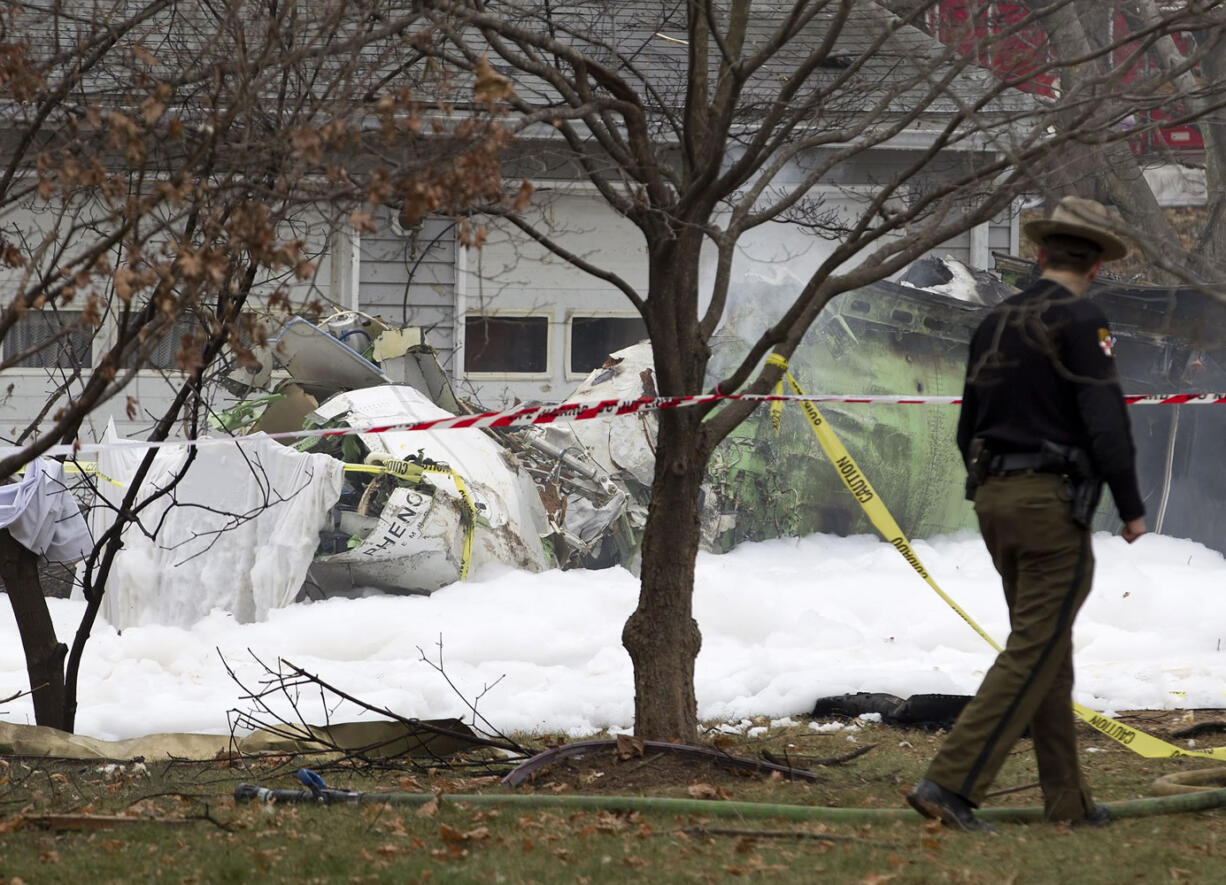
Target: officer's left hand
{"x": 1133, "y": 529}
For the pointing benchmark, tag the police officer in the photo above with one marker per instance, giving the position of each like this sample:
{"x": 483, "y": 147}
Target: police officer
{"x": 1043, "y": 424}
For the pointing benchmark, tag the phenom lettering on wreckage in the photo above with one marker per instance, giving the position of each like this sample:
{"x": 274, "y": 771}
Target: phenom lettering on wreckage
{"x": 855, "y": 480}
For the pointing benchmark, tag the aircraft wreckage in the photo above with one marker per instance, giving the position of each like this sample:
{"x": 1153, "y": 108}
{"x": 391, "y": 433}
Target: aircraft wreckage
{"x": 409, "y": 512}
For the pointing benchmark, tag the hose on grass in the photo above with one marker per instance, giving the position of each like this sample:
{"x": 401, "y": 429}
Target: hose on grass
{"x": 1198, "y": 781}
{"x": 1201, "y": 800}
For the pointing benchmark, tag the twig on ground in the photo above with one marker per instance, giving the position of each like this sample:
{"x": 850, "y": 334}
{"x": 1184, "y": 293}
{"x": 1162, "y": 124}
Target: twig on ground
{"x": 644, "y": 763}
{"x": 809, "y": 761}
{"x": 207, "y": 815}
{"x": 97, "y": 821}
{"x": 782, "y": 834}
{"x": 1007, "y": 790}
{"x": 487, "y": 726}
{"x": 284, "y": 685}
{"x": 176, "y": 793}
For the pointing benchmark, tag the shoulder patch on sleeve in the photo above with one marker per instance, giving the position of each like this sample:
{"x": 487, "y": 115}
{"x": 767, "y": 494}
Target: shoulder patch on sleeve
{"x": 1106, "y": 341}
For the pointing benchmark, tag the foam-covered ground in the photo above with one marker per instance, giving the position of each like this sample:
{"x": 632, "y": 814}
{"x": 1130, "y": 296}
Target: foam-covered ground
{"x": 783, "y": 623}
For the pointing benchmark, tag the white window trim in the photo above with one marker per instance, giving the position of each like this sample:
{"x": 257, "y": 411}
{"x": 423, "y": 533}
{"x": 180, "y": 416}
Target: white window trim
{"x": 980, "y": 253}
{"x": 547, "y": 375}
{"x": 346, "y": 266}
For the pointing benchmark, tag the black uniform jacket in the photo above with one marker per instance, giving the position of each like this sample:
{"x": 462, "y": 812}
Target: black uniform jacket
{"x": 1041, "y": 367}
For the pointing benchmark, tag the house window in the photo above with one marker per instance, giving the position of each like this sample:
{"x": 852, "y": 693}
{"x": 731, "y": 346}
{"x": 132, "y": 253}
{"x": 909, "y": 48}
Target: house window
{"x": 506, "y": 345}
{"x": 163, "y": 356}
{"x": 70, "y": 351}
{"x": 593, "y": 338}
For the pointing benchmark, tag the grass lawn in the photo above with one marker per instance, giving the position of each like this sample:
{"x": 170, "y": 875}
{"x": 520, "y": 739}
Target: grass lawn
{"x": 179, "y": 823}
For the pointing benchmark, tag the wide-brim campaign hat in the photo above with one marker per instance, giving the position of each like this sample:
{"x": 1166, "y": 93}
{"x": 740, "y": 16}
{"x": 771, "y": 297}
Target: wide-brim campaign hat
{"x": 1079, "y": 217}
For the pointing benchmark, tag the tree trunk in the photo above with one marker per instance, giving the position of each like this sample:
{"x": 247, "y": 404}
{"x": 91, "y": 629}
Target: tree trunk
{"x": 661, "y": 635}
{"x": 1212, "y": 244}
{"x": 1109, "y": 173}
{"x": 44, "y": 655}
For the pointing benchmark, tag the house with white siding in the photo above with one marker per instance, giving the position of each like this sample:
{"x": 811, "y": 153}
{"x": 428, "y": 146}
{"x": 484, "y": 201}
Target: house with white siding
{"x": 511, "y": 321}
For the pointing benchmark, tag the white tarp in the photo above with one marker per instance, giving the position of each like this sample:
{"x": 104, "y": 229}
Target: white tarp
{"x": 237, "y": 533}
{"x": 42, "y": 515}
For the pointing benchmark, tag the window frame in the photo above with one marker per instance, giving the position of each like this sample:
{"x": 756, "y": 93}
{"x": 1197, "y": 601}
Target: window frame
{"x": 547, "y": 315}
{"x": 585, "y": 314}
{"x": 41, "y": 371}
{"x": 172, "y": 339}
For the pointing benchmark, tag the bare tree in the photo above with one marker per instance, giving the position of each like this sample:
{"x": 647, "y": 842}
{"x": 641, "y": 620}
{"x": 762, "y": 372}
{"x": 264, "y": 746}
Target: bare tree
{"x": 162, "y": 163}
{"x": 1129, "y": 60}
{"x": 703, "y": 122}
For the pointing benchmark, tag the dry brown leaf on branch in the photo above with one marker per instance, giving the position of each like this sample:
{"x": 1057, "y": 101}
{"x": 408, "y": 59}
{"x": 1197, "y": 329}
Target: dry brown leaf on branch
{"x": 491, "y": 86}
{"x": 141, "y": 54}
{"x": 523, "y": 196}
{"x": 363, "y": 221}
{"x": 151, "y": 110}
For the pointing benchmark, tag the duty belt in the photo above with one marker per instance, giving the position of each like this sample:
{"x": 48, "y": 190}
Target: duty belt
{"x": 1010, "y": 463}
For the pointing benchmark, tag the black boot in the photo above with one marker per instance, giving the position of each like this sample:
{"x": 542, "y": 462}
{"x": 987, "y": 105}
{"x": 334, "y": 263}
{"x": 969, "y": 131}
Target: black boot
{"x": 1099, "y": 815}
{"x": 934, "y": 801}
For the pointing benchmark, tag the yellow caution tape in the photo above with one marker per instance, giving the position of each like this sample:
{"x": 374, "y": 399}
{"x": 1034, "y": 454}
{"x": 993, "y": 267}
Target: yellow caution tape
{"x": 83, "y": 468}
{"x": 776, "y": 407}
{"x": 412, "y": 472}
{"x": 1138, "y": 741}
{"x": 470, "y": 524}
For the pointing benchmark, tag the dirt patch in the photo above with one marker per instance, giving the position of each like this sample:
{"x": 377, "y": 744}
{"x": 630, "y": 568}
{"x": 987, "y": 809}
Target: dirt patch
{"x": 610, "y": 770}
{"x": 1174, "y": 725}
{"x": 604, "y": 770}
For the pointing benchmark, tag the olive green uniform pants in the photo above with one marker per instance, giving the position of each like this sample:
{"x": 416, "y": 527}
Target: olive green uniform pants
{"x": 1046, "y": 564}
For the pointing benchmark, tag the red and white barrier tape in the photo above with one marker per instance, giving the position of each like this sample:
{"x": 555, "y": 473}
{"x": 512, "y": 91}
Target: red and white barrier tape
{"x": 526, "y": 416}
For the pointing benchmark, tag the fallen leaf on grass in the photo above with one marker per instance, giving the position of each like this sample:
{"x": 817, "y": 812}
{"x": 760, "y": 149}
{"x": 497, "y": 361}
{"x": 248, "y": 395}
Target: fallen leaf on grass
{"x": 706, "y": 791}
{"x": 452, "y": 851}
{"x": 451, "y": 834}
{"x": 629, "y": 747}
{"x": 610, "y": 822}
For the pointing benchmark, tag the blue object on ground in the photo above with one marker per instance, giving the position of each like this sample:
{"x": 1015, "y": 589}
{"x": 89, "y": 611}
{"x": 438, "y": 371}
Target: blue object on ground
{"x": 311, "y": 780}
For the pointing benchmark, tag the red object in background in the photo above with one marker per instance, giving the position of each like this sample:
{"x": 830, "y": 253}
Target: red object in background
{"x": 1175, "y": 138}
{"x": 994, "y": 33}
